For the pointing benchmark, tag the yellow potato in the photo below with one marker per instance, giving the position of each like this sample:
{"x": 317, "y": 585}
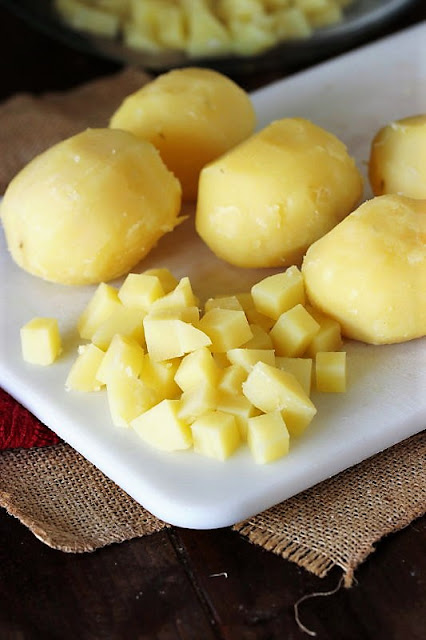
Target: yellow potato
{"x": 398, "y": 158}
{"x": 369, "y": 272}
{"x": 191, "y": 116}
{"x": 264, "y": 202}
{"x": 89, "y": 208}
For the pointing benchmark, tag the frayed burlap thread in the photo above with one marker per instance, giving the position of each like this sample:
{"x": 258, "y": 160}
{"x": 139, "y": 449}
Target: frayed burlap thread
{"x": 67, "y": 502}
{"x": 338, "y": 522}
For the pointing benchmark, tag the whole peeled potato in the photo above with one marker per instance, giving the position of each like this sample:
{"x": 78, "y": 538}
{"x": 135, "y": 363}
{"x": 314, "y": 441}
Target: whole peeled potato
{"x": 89, "y": 208}
{"x": 264, "y": 202}
{"x": 397, "y": 161}
{"x": 191, "y": 116}
{"x": 369, "y": 272}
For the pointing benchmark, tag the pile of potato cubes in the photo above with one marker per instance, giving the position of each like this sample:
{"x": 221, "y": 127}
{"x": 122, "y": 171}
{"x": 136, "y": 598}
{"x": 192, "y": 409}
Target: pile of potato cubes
{"x": 241, "y": 371}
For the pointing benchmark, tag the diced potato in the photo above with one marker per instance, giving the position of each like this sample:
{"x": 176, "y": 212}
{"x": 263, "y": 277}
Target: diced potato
{"x": 102, "y": 303}
{"x": 255, "y": 317}
{"x": 140, "y": 290}
{"x": 223, "y": 302}
{"x": 226, "y": 328}
{"x": 247, "y": 358}
{"x": 83, "y": 373}
{"x": 238, "y": 406}
{"x": 162, "y": 428}
{"x": 293, "y": 332}
{"x": 271, "y": 389}
{"x": 172, "y": 338}
{"x": 90, "y": 19}
{"x": 128, "y": 397}
{"x": 196, "y": 401}
{"x": 186, "y": 314}
{"x": 330, "y": 371}
{"x": 124, "y": 356}
{"x": 397, "y": 161}
{"x": 192, "y": 116}
{"x": 206, "y": 34}
{"x": 166, "y": 278}
{"x": 232, "y": 379}
{"x": 278, "y": 293}
{"x": 123, "y": 320}
{"x": 329, "y": 336}
{"x": 260, "y": 340}
{"x": 196, "y": 367}
{"x": 268, "y": 437}
{"x": 267, "y": 212}
{"x": 160, "y": 376}
{"x": 181, "y": 296}
{"x": 215, "y": 434}
{"x": 301, "y": 368}
{"x": 84, "y": 195}
{"x": 41, "y": 341}
{"x": 369, "y": 273}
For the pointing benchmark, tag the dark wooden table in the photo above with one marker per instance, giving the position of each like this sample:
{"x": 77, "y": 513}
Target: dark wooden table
{"x": 182, "y": 584}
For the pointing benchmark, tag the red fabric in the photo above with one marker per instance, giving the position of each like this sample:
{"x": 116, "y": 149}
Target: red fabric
{"x": 19, "y": 428}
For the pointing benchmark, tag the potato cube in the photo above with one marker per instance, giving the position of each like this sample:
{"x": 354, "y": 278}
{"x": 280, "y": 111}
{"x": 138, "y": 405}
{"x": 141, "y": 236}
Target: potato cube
{"x": 128, "y": 397}
{"x": 196, "y": 367}
{"x": 215, "y": 434}
{"x": 255, "y": 317}
{"x": 161, "y": 376}
{"x": 227, "y": 328}
{"x": 187, "y": 314}
{"x": 82, "y": 375}
{"x": 140, "y": 290}
{"x": 162, "y": 428}
{"x": 40, "y": 341}
{"x": 301, "y": 368}
{"x": 232, "y": 379}
{"x": 247, "y": 358}
{"x": 103, "y": 302}
{"x": 123, "y": 320}
{"x": 330, "y": 371}
{"x": 181, "y": 296}
{"x": 245, "y": 300}
{"x": 260, "y": 340}
{"x": 268, "y": 437}
{"x": 223, "y": 302}
{"x": 172, "y": 338}
{"x": 196, "y": 401}
{"x": 123, "y": 356}
{"x": 293, "y": 331}
{"x": 278, "y": 293}
{"x": 271, "y": 389}
{"x": 329, "y": 336}
{"x": 166, "y": 278}
{"x": 238, "y": 406}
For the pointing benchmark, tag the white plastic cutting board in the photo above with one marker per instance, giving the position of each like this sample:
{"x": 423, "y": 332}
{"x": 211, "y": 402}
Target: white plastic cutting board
{"x": 351, "y": 96}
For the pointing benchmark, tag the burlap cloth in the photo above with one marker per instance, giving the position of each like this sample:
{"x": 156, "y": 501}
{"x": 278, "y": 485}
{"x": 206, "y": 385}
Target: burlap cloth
{"x": 70, "y": 505}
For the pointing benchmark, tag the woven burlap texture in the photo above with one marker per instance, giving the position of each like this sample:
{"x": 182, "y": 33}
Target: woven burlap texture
{"x": 67, "y": 502}
{"x": 70, "y": 505}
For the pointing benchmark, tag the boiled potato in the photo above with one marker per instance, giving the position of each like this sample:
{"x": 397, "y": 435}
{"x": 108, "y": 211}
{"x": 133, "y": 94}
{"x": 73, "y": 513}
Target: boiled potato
{"x": 398, "y": 158}
{"x": 369, "y": 272}
{"x": 89, "y": 208}
{"x": 191, "y": 116}
{"x": 264, "y": 202}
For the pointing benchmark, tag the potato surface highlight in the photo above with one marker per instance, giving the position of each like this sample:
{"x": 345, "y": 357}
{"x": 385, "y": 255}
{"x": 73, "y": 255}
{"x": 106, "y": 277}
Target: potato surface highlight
{"x": 398, "y": 158}
{"x": 369, "y": 272}
{"x": 191, "y": 116}
{"x": 264, "y": 202}
{"x": 89, "y": 208}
